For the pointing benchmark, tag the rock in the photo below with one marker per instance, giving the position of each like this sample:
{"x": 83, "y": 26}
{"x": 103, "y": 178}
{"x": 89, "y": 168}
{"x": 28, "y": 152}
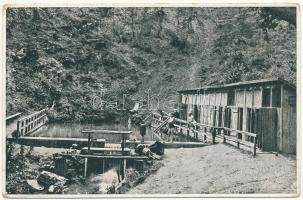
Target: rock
{"x": 157, "y": 147}
{"x": 34, "y": 185}
{"x": 48, "y": 178}
{"x": 51, "y": 189}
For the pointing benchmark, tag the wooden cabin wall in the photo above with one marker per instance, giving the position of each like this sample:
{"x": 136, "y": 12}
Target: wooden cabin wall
{"x": 279, "y": 130}
{"x": 206, "y": 99}
{"x": 257, "y": 98}
{"x": 240, "y": 98}
{"x": 223, "y": 99}
{"x": 245, "y": 118}
{"x": 212, "y": 98}
{"x": 248, "y": 98}
{"x": 218, "y": 98}
{"x": 288, "y": 122}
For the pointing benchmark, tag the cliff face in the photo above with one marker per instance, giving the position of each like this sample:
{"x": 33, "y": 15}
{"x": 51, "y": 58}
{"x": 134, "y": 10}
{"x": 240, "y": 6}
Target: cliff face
{"x": 64, "y": 56}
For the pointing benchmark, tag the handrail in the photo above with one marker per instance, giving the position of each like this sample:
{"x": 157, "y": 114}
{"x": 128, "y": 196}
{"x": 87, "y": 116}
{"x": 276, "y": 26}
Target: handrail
{"x": 149, "y": 116}
{"x": 31, "y": 123}
{"x": 183, "y": 124}
{"x": 13, "y": 116}
{"x": 161, "y": 125}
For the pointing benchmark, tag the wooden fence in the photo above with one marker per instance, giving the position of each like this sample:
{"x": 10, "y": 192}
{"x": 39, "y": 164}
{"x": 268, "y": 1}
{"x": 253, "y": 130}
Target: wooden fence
{"x": 31, "y": 123}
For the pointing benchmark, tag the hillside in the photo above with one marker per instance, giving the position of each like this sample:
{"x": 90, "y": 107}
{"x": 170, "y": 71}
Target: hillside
{"x": 62, "y": 57}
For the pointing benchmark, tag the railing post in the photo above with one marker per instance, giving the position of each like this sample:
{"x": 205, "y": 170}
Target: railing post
{"x": 255, "y": 146}
{"x": 88, "y": 143}
{"x": 213, "y": 132}
{"x": 18, "y": 128}
{"x": 85, "y": 167}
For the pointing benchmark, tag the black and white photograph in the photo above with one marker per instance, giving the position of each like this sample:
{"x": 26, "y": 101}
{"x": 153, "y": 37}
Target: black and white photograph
{"x": 151, "y": 101}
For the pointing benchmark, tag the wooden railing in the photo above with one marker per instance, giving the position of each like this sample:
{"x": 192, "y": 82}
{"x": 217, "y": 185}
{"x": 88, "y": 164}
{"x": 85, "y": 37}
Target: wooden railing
{"x": 11, "y": 118}
{"x": 204, "y": 132}
{"x": 31, "y": 123}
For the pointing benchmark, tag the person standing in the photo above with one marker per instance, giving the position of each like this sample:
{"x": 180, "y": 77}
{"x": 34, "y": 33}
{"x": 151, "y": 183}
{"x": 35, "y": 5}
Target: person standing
{"x": 190, "y": 121}
{"x": 176, "y": 114}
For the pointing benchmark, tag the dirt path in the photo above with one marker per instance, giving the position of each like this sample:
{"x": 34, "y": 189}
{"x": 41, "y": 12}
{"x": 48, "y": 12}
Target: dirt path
{"x": 220, "y": 169}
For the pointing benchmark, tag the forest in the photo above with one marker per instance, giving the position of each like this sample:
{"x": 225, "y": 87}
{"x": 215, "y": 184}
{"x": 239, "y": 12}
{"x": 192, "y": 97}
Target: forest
{"x": 60, "y": 58}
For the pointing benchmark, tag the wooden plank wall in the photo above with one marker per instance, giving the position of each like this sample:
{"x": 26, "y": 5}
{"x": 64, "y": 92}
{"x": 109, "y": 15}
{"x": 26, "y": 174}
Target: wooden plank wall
{"x": 257, "y": 98}
{"x": 268, "y": 130}
{"x": 224, "y": 99}
{"x": 288, "y": 123}
{"x": 279, "y": 129}
{"x": 240, "y": 98}
{"x": 248, "y": 97}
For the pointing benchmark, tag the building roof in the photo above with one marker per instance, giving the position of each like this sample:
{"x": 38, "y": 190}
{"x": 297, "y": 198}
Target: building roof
{"x": 253, "y": 82}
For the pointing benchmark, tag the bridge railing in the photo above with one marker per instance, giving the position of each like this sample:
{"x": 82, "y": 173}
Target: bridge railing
{"x": 11, "y": 118}
{"x": 31, "y": 123}
{"x": 203, "y": 132}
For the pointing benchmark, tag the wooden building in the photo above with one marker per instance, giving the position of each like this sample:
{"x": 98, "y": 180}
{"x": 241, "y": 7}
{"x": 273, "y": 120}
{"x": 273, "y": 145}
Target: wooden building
{"x": 264, "y": 107}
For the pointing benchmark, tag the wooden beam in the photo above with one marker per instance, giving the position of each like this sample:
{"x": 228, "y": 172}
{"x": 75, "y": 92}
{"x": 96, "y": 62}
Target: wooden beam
{"x": 85, "y": 167}
{"x": 105, "y": 132}
{"x": 235, "y": 97}
{"x": 270, "y": 104}
{"x": 244, "y": 97}
{"x": 281, "y": 125}
{"x": 105, "y": 156}
{"x": 13, "y": 116}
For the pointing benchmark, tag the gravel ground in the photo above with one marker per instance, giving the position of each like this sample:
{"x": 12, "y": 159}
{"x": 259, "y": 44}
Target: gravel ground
{"x": 220, "y": 169}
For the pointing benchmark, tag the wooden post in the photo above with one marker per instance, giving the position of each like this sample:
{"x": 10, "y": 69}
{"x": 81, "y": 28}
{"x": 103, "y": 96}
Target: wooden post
{"x": 255, "y": 146}
{"x": 244, "y": 97}
{"x": 18, "y": 128}
{"x": 119, "y": 171}
{"x": 122, "y": 171}
{"x": 85, "y": 167}
{"x": 224, "y": 139}
{"x": 124, "y": 168}
{"x": 180, "y": 103}
{"x": 270, "y": 103}
{"x": 238, "y": 144}
{"x": 281, "y": 122}
{"x": 214, "y": 135}
{"x": 103, "y": 165}
{"x": 123, "y": 144}
{"x": 88, "y": 143}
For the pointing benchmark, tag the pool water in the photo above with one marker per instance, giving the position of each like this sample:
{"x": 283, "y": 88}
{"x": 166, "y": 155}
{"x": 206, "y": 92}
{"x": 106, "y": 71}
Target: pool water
{"x": 73, "y": 130}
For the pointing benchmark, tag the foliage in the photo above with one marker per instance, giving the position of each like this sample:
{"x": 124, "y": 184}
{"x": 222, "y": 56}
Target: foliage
{"x": 62, "y": 57}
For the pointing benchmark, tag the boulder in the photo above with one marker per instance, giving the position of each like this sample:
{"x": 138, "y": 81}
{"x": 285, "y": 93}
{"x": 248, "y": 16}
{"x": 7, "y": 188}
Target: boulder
{"x": 48, "y": 178}
{"x": 51, "y": 189}
{"x": 34, "y": 185}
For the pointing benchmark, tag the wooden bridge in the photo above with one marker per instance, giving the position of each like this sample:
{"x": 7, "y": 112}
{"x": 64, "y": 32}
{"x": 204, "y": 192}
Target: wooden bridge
{"x": 31, "y": 123}
{"x": 17, "y": 126}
